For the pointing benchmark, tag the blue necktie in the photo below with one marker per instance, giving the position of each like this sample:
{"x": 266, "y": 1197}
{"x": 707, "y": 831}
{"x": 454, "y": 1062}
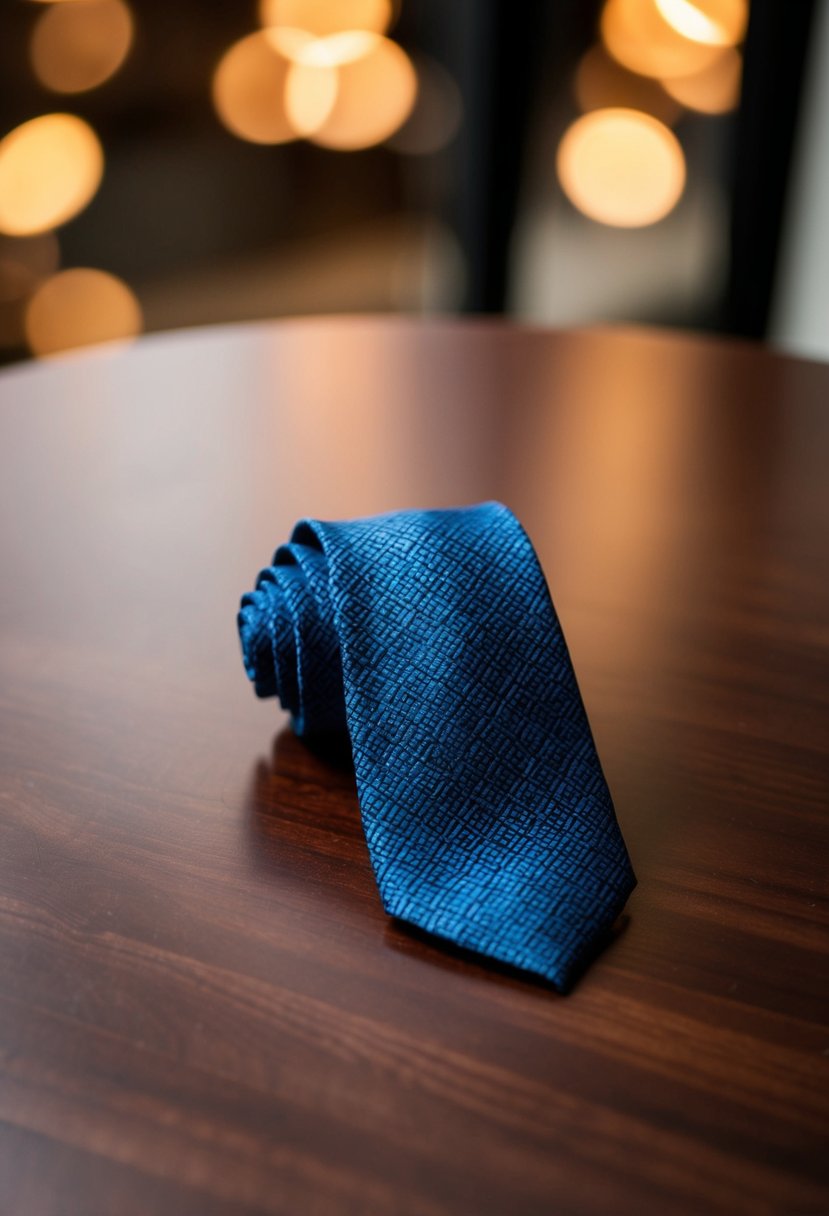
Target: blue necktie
{"x": 430, "y": 637}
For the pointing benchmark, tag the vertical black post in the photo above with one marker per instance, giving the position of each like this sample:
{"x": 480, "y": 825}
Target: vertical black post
{"x": 493, "y": 49}
{"x": 775, "y": 60}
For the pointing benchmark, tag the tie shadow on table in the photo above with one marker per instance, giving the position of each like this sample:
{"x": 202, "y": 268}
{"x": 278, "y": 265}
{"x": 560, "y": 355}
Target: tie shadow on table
{"x": 302, "y": 802}
{"x": 304, "y": 822}
{"x": 410, "y": 940}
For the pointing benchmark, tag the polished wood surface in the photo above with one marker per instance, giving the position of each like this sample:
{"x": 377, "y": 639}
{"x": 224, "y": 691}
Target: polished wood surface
{"x": 203, "y": 1008}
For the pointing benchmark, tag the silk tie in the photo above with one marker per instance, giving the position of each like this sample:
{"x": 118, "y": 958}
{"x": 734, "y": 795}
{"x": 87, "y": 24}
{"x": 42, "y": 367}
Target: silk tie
{"x": 430, "y": 637}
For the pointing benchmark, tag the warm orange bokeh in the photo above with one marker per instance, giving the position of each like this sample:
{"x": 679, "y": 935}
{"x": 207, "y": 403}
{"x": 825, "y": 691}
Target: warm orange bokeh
{"x": 621, "y": 167}
{"x": 375, "y": 95}
{"x": 711, "y": 22}
{"x": 80, "y": 307}
{"x": 78, "y": 46}
{"x": 249, "y": 91}
{"x": 637, "y": 35}
{"x": 320, "y": 18}
{"x": 50, "y": 168}
{"x": 714, "y": 90}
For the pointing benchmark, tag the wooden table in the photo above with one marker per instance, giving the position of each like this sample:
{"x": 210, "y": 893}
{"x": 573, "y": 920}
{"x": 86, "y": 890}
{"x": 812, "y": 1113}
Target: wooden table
{"x": 204, "y": 1009}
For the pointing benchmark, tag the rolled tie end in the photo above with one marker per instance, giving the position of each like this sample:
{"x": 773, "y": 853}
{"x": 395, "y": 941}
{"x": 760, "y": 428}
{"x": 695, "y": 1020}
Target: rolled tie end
{"x": 257, "y": 646}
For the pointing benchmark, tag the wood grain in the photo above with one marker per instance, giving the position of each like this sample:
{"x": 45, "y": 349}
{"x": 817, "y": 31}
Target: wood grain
{"x": 203, "y": 1008}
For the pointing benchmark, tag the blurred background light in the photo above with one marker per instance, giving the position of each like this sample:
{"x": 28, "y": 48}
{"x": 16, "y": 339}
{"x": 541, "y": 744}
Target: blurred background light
{"x": 637, "y": 35}
{"x": 50, "y": 168}
{"x": 712, "y": 22}
{"x": 715, "y": 89}
{"x": 621, "y": 167}
{"x": 208, "y": 227}
{"x": 76, "y": 46}
{"x": 601, "y": 83}
{"x": 334, "y": 49}
{"x": 310, "y": 94}
{"x": 79, "y": 307}
{"x": 249, "y": 91}
{"x": 375, "y": 95}
{"x": 321, "y": 18}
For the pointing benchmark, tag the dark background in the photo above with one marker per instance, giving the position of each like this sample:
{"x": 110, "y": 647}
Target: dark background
{"x": 205, "y": 227}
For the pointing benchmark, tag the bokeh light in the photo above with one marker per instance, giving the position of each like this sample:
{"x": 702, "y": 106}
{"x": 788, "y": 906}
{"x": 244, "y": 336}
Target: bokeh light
{"x": 437, "y": 115}
{"x": 621, "y": 167}
{"x": 310, "y": 94}
{"x": 712, "y": 22}
{"x": 637, "y": 35}
{"x": 375, "y": 95}
{"x": 249, "y": 91}
{"x": 302, "y": 47}
{"x": 79, "y": 307}
{"x": 601, "y": 83}
{"x": 77, "y": 46}
{"x": 714, "y": 90}
{"x": 320, "y": 18}
{"x": 50, "y": 168}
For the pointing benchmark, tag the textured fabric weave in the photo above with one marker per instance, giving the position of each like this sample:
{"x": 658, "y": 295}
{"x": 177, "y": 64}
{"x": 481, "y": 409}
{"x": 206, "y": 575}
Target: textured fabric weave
{"x": 430, "y": 637}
